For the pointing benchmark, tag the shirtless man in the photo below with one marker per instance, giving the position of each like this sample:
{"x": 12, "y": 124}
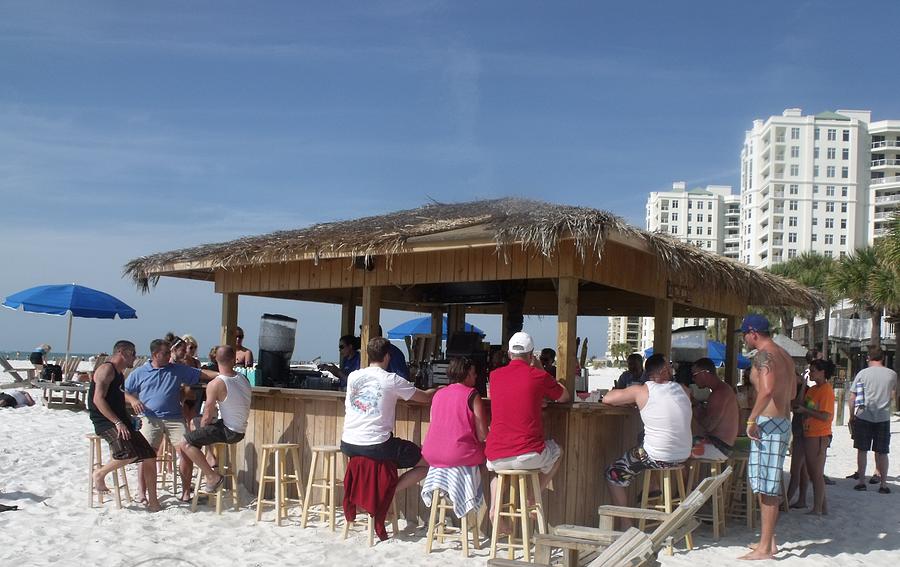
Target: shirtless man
{"x": 716, "y": 421}
{"x": 769, "y": 426}
{"x": 244, "y": 356}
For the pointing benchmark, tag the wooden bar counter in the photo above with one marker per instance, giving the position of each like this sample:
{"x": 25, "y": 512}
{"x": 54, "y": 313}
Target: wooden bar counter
{"x": 591, "y": 435}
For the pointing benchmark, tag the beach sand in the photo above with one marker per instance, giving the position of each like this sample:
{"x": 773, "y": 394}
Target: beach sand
{"x": 43, "y": 461}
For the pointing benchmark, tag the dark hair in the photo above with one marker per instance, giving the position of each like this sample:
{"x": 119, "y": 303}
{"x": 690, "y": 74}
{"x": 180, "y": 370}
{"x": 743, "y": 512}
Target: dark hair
{"x": 705, "y": 364}
{"x": 825, "y": 365}
{"x": 811, "y": 354}
{"x": 548, "y": 352}
{"x": 875, "y": 353}
{"x": 122, "y": 346}
{"x": 157, "y": 345}
{"x": 350, "y": 340}
{"x": 654, "y": 364}
{"x": 377, "y": 349}
{"x": 635, "y": 360}
{"x": 458, "y": 369}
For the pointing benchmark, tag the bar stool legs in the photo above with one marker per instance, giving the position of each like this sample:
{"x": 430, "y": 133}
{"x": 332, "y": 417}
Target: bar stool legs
{"x": 717, "y": 501}
{"x": 327, "y": 484}
{"x": 120, "y": 479}
{"x": 370, "y": 523}
{"x": 437, "y": 527}
{"x": 518, "y": 509}
{"x": 281, "y": 477}
{"x": 226, "y": 458}
{"x": 166, "y": 464}
{"x": 667, "y": 501}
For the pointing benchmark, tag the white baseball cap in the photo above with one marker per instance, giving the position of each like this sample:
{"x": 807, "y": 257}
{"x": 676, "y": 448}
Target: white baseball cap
{"x": 521, "y": 343}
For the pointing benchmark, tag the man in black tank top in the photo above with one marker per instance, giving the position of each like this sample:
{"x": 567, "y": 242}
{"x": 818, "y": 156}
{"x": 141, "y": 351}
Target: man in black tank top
{"x": 106, "y": 404}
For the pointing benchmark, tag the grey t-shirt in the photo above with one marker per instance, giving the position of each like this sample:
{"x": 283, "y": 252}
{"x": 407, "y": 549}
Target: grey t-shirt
{"x": 878, "y": 384}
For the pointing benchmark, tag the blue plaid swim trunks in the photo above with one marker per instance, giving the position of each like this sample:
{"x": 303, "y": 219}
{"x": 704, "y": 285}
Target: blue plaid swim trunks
{"x": 767, "y": 455}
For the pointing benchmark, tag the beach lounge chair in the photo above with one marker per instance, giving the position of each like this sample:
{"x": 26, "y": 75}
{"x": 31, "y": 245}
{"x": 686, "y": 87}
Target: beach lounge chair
{"x": 5, "y": 366}
{"x": 673, "y": 527}
{"x": 632, "y": 548}
{"x": 69, "y": 368}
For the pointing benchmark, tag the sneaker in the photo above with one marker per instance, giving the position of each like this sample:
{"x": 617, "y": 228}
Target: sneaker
{"x": 854, "y": 476}
{"x": 884, "y": 490}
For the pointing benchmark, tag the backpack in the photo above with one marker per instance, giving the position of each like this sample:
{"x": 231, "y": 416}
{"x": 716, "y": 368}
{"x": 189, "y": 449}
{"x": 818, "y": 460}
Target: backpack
{"x": 52, "y": 373}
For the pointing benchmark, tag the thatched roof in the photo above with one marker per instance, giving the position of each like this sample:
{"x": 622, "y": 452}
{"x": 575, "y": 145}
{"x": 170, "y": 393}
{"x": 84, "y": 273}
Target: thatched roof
{"x": 532, "y": 224}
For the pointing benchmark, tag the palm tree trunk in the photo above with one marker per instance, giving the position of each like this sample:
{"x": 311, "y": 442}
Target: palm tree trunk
{"x": 787, "y": 325}
{"x": 811, "y": 331}
{"x": 875, "y": 337}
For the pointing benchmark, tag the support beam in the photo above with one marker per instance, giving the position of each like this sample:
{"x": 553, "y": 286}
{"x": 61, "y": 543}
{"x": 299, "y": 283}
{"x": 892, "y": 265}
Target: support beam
{"x": 732, "y": 346}
{"x": 229, "y": 318}
{"x": 566, "y": 331}
{"x": 371, "y": 319}
{"x": 348, "y": 317}
{"x": 456, "y": 320}
{"x": 437, "y": 329}
{"x": 662, "y": 326}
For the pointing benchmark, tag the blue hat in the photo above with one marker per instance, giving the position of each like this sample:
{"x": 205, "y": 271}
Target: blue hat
{"x": 754, "y": 322}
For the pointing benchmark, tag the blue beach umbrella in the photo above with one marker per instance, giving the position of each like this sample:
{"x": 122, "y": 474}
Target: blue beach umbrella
{"x": 72, "y": 300}
{"x": 715, "y": 351}
{"x": 422, "y": 326}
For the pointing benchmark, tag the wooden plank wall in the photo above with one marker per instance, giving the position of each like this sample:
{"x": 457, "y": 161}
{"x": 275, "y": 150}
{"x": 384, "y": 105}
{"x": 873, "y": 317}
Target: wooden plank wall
{"x": 590, "y": 441}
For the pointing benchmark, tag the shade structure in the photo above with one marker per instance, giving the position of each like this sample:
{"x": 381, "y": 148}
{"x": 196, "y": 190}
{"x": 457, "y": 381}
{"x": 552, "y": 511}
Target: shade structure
{"x": 72, "y": 300}
{"x": 422, "y": 326}
{"x": 716, "y": 352}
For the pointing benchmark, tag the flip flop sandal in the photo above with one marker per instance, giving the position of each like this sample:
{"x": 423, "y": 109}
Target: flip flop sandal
{"x": 214, "y": 488}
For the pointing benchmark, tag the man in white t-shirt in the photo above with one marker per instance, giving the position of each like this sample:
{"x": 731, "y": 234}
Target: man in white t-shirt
{"x": 369, "y": 408}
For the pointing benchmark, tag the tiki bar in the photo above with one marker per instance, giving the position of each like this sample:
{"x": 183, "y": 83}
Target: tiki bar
{"x": 508, "y": 257}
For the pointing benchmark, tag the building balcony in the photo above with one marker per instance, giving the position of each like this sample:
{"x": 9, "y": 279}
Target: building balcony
{"x": 885, "y": 180}
{"x": 887, "y": 199}
{"x": 881, "y": 144}
{"x": 885, "y": 215}
{"x": 879, "y": 232}
{"x": 886, "y": 162}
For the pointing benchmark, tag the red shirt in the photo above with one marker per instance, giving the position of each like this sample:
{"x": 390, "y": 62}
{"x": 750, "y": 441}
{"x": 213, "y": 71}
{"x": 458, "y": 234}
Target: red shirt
{"x": 517, "y": 393}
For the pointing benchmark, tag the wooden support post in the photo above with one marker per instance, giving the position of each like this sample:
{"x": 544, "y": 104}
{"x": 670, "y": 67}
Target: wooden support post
{"x": 437, "y": 329}
{"x": 456, "y": 320}
{"x": 371, "y": 319}
{"x": 662, "y": 326}
{"x": 732, "y": 346}
{"x": 566, "y": 331}
{"x": 229, "y": 318}
{"x": 348, "y": 316}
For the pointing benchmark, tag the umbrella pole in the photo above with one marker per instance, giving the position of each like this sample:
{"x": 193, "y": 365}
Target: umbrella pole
{"x": 69, "y": 338}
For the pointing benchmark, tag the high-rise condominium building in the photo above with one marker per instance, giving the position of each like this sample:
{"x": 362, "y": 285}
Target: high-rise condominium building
{"x": 884, "y": 185}
{"x": 804, "y": 185}
{"x": 625, "y": 330}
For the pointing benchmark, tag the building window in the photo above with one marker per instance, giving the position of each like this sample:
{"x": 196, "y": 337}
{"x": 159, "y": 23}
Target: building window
{"x": 815, "y": 189}
{"x": 815, "y": 171}
{"x": 674, "y": 217}
{"x": 794, "y": 189}
{"x": 844, "y": 224}
{"x": 795, "y": 170}
{"x": 829, "y": 223}
{"x": 699, "y": 204}
{"x": 675, "y": 204}
{"x": 665, "y": 204}
{"x": 828, "y": 253}
{"x": 689, "y": 230}
{"x": 816, "y": 152}
{"x": 846, "y": 135}
{"x": 843, "y": 254}
{"x": 832, "y": 134}
{"x": 843, "y": 191}
{"x": 795, "y": 133}
{"x": 709, "y": 231}
{"x": 829, "y": 239}
{"x": 845, "y": 154}
{"x": 792, "y": 205}
{"x": 815, "y": 237}
{"x": 673, "y": 229}
{"x": 843, "y": 240}
{"x": 792, "y": 253}
{"x": 816, "y": 134}
{"x": 815, "y": 220}
{"x": 690, "y": 204}
{"x": 815, "y": 206}
{"x": 829, "y": 171}
{"x": 829, "y": 190}
{"x": 845, "y": 172}
{"x": 829, "y": 207}
{"x": 792, "y": 237}
{"x": 831, "y": 153}
{"x": 843, "y": 207}
{"x": 792, "y": 221}
{"x": 795, "y": 151}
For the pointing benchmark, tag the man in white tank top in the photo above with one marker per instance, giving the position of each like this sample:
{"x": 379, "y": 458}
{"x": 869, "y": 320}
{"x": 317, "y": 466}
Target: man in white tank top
{"x": 666, "y": 412}
{"x": 230, "y": 394}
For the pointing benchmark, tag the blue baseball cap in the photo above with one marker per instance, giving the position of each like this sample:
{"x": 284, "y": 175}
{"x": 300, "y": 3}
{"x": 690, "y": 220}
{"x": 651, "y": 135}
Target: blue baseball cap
{"x": 754, "y": 322}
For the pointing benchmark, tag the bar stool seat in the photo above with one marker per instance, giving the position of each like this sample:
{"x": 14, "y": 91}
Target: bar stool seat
{"x": 281, "y": 478}
{"x": 717, "y": 502}
{"x": 226, "y": 459}
{"x": 667, "y": 501}
{"x": 517, "y": 509}
{"x": 327, "y": 484}
{"x": 95, "y": 461}
{"x": 437, "y": 526}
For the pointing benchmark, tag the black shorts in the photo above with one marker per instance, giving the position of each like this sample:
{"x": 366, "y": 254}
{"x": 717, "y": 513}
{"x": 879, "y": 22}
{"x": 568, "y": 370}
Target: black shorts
{"x": 135, "y": 449}
{"x": 212, "y": 433}
{"x": 405, "y": 454}
{"x": 872, "y": 436}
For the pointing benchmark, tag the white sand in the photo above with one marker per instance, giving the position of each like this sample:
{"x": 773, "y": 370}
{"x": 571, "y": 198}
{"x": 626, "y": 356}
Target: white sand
{"x": 43, "y": 461}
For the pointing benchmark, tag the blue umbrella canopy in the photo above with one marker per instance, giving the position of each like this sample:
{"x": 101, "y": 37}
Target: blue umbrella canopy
{"x": 422, "y": 326}
{"x": 715, "y": 351}
{"x": 72, "y": 300}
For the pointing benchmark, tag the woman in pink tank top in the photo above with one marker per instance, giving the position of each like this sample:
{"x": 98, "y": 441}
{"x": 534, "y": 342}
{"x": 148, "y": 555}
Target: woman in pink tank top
{"x": 458, "y": 424}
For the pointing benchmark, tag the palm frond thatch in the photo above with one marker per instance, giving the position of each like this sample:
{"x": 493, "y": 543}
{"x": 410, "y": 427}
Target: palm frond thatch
{"x": 531, "y": 224}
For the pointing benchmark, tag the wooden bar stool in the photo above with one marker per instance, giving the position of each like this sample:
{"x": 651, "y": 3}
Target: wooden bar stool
{"x": 437, "y": 527}
{"x": 717, "y": 502}
{"x": 95, "y": 461}
{"x": 667, "y": 501}
{"x": 226, "y": 459}
{"x": 742, "y": 501}
{"x": 327, "y": 484}
{"x": 281, "y": 477}
{"x": 517, "y": 509}
{"x": 369, "y": 522}
{"x": 166, "y": 465}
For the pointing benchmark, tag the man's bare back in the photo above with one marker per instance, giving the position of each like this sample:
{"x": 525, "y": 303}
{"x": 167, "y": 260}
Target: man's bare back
{"x": 773, "y": 367}
{"x": 722, "y": 409}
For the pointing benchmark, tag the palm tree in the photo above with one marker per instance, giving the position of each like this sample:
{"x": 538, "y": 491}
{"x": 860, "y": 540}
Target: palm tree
{"x": 854, "y": 279}
{"x": 811, "y": 269}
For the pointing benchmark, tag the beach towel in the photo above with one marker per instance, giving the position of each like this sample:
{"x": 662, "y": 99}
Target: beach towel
{"x": 461, "y": 485}
{"x": 370, "y": 484}
{"x": 767, "y": 455}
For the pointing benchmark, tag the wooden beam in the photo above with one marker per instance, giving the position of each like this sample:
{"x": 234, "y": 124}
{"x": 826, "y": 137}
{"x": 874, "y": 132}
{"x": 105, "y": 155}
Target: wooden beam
{"x": 662, "y": 326}
{"x": 437, "y": 329}
{"x": 732, "y": 345}
{"x": 371, "y": 319}
{"x": 566, "y": 331}
{"x": 348, "y": 316}
{"x": 456, "y": 319}
{"x": 229, "y": 318}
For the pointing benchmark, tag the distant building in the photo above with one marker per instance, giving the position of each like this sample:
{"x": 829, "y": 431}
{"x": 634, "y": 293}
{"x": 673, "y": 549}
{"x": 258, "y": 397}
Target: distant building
{"x": 623, "y": 330}
{"x": 884, "y": 184}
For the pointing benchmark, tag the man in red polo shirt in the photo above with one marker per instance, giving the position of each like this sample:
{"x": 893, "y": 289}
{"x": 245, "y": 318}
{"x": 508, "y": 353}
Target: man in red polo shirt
{"x": 516, "y": 438}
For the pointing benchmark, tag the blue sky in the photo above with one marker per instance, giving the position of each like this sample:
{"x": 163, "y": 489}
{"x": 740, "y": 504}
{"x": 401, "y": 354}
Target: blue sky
{"x": 127, "y": 129}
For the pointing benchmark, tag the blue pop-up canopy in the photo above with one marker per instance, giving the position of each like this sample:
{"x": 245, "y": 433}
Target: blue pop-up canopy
{"x": 716, "y": 352}
{"x": 422, "y": 326}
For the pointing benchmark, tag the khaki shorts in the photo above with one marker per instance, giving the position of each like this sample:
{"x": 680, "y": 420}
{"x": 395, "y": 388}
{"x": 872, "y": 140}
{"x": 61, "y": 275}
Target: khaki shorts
{"x": 154, "y": 428}
{"x": 530, "y": 461}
